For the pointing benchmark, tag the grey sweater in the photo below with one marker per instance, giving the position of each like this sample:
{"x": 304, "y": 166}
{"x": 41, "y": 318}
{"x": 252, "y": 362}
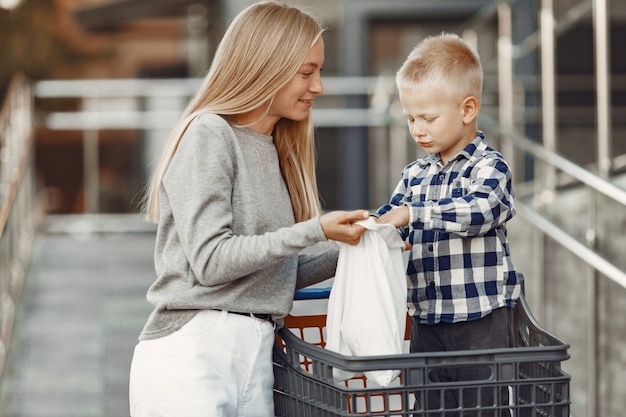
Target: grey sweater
{"x": 226, "y": 237}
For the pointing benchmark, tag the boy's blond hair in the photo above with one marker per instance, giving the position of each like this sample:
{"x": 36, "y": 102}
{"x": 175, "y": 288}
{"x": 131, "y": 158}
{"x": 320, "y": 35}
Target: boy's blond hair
{"x": 443, "y": 62}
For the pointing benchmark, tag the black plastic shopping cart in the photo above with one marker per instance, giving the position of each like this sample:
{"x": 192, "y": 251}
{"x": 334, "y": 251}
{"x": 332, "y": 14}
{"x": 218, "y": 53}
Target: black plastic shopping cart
{"x": 530, "y": 374}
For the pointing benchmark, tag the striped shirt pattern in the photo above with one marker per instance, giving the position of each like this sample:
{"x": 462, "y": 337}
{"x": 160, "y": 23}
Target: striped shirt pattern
{"x": 460, "y": 267}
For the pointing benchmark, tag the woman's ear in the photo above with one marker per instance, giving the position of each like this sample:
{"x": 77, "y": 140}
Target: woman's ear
{"x": 470, "y": 108}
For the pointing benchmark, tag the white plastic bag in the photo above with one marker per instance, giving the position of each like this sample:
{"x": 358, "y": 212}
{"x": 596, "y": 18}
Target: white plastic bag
{"x": 367, "y": 305}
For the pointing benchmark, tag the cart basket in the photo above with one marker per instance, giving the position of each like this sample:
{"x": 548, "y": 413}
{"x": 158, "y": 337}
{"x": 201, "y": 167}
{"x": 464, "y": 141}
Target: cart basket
{"x": 525, "y": 380}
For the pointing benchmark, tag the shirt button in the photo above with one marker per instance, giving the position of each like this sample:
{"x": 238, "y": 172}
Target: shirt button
{"x": 430, "y": 248}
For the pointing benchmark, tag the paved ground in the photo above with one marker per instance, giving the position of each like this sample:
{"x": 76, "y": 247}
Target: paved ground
{"x": 81, "y": 310}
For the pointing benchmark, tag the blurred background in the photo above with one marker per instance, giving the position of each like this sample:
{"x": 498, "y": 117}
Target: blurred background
{"x": 90, "y": 88}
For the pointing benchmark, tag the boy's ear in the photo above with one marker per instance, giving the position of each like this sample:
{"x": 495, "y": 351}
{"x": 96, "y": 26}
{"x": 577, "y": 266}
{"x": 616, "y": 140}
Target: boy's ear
{"x": 470, "y": 108}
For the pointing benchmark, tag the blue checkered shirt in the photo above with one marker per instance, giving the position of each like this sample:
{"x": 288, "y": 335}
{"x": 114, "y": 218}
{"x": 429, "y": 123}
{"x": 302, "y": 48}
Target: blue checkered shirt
{"x": 460, "y": 267}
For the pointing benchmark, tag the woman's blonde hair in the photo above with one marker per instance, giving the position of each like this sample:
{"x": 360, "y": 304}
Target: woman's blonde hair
{"x": 262, "y": 49}
{"x": 445, "y": 62}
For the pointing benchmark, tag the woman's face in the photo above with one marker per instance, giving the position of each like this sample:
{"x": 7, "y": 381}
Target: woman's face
{"x": 295, "y": 99}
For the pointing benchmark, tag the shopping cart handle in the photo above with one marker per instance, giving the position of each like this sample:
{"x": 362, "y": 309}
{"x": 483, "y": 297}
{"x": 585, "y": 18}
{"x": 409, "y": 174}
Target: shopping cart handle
{"x": 312, "y": 293}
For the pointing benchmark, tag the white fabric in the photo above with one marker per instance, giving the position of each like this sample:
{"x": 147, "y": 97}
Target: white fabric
{"x": 219, "y": 364}
{"x": 367, "y": 305}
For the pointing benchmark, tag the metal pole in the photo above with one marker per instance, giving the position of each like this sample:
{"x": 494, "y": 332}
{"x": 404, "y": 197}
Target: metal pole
{"x": 353, "y": 141}
{"x": 91, "y": 164}
{"x": 603, "y": 80}
{"x": 603, "y": 75}
{"x": 548, "y": 109}
{"x": 505, "y": 76}
{"x": 548, "y": 86}
{"x": 592, "y": 311}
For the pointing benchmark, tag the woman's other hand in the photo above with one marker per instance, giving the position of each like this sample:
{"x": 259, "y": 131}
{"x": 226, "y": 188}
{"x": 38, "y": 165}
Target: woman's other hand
{"x": 339, "y": 225}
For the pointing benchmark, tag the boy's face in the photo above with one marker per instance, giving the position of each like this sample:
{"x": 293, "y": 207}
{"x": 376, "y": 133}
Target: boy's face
{"x": 439, "y": 122}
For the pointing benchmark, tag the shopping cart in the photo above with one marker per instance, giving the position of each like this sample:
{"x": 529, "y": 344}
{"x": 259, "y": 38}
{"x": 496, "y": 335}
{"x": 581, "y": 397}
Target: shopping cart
{"x": 529, "y": 374}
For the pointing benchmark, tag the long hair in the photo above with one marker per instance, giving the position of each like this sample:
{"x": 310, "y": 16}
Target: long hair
{"x": 262, "y": 49}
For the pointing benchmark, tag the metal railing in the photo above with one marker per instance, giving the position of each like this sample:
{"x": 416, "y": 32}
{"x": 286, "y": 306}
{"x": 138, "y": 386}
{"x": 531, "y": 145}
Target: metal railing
{"x": 547, "y": 165}
{"x": 153, "y": 106}
{"x": 17, "y": 204}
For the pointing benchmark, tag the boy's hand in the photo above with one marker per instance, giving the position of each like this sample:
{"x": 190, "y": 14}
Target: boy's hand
{"x": 397, "y": 217}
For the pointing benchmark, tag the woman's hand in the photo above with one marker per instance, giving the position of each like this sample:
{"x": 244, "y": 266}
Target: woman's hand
{"x": 339, "y": 225}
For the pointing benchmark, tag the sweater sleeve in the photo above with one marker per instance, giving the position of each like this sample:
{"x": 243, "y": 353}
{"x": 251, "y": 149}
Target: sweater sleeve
{"x": 198, "y": 186}
{"x": 317, "y": 267}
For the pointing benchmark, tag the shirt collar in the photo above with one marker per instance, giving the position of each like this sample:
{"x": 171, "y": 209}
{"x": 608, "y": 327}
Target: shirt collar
{"x": 475, "y": 148}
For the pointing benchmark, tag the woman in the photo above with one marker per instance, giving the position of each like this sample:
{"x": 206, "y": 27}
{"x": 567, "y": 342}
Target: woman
{"x": 235, "y": 198}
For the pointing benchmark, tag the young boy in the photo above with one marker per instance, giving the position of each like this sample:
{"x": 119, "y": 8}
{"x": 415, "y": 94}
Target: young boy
{"x": 452, "y": 207}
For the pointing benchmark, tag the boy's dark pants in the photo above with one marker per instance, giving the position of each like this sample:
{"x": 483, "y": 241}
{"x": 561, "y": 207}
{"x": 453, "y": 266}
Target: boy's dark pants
{"x": 492, "y": 331}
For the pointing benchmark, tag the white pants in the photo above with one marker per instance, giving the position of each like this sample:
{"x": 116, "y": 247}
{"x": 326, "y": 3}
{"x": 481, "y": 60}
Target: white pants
{"x": 217, "y": 365}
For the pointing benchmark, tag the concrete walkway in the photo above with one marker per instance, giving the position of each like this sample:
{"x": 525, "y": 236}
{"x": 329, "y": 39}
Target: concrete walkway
{"x": 81, "y": 310}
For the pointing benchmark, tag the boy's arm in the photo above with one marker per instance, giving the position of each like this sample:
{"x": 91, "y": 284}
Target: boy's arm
{"x": 386, "y": 213}
{"x": 487, "y": 203}
{"x": 398, "y": 217}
